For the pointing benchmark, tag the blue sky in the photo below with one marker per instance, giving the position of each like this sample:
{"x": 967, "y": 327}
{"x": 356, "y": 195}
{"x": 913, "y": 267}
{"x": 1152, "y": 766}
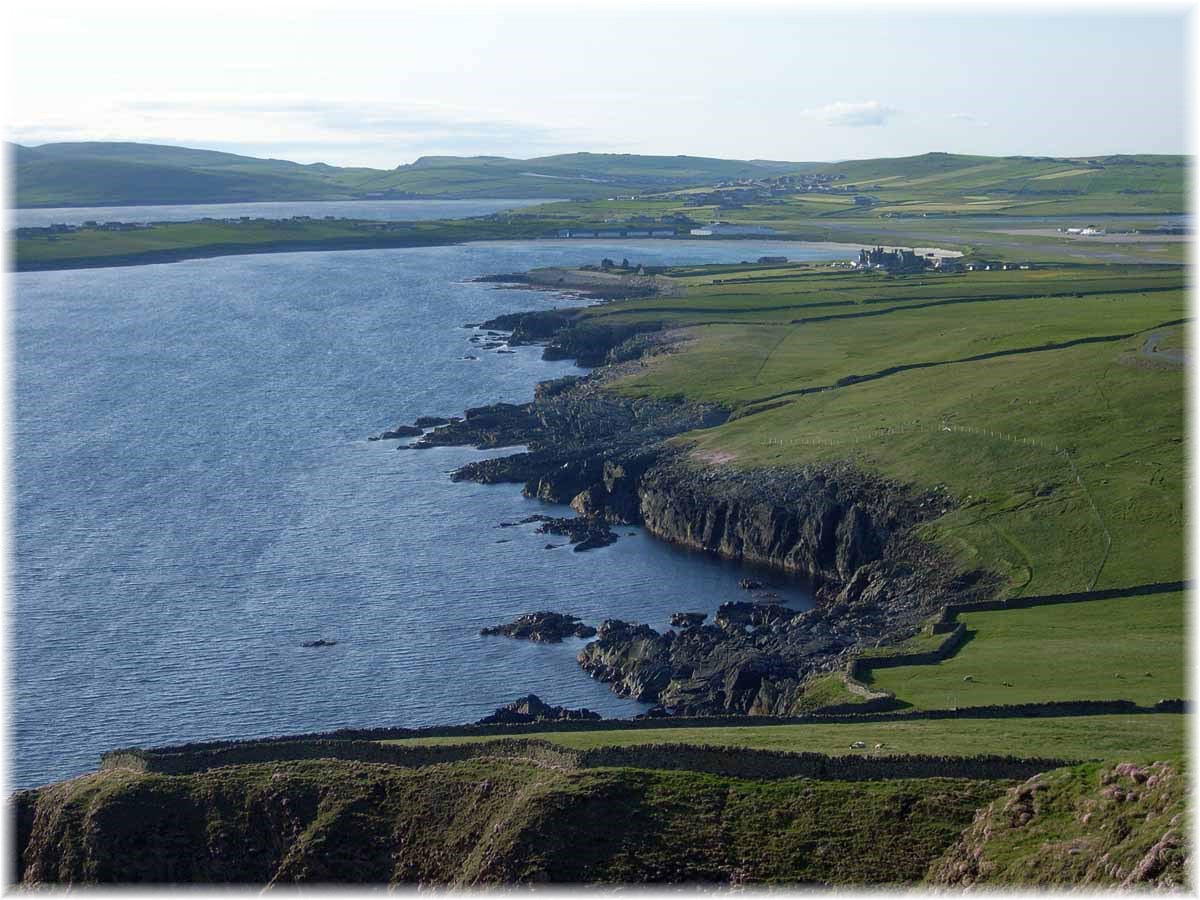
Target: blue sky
{"x": 369, "y": 85}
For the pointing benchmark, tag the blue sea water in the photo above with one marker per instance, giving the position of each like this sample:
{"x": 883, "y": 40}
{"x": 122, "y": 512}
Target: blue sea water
{"x": 196, "y": 497}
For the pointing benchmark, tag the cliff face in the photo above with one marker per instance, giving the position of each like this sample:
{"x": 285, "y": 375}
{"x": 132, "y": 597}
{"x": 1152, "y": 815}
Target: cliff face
{"x": 608, "y": 456}
{"x": 824, "y": 524}
{"x": 484, "y": 821}
{"x": 1094, "y": 826}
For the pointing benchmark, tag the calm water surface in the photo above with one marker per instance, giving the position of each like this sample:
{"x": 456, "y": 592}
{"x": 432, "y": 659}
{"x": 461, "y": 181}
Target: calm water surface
{"x": 196, "y": 497}
{"x": 379, "y": 210}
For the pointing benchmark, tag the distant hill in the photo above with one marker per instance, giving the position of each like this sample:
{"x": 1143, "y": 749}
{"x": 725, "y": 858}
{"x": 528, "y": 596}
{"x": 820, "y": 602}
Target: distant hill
{"x": 101, "y": 174}
{"x": 116, "y": 174}
{"x": 1037, "y": 185}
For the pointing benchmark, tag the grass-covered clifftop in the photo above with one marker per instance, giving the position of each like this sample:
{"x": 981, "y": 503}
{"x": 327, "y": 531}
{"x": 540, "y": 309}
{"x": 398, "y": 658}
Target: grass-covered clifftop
{"x": 1023, "y": 425}
{"x": 1035, "y": 418}
{"x": 485, "y": 821}
{"x": 506, "y": 819}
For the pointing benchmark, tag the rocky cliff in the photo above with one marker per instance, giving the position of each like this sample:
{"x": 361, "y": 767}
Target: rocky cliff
{"x": 611, "y": 458}
{"x": 1099, "y": 826}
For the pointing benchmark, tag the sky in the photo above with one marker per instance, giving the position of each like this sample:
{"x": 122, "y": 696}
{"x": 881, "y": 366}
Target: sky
{"x": 381, "y": 85}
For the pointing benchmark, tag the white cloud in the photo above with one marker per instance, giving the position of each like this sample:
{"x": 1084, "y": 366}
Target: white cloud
{"x": 309, "y": 130}
{"x": 852, "y": 115}
{"x": 968, "y": 119}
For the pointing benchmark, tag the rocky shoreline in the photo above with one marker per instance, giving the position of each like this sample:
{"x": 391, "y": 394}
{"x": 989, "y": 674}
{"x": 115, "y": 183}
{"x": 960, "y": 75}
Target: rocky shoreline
{"x": 607, "y": 456}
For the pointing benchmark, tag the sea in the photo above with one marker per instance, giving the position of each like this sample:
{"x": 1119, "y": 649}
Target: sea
{"x": 375, "y": 210}
{"x": 196, "y": 497}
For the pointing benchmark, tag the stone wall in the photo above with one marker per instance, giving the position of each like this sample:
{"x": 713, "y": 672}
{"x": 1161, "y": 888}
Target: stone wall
{"x": 738, "y": 762}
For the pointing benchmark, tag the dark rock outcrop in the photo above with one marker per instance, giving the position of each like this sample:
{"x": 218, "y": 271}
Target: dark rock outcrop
{"x": 544, "y": 627}
{"x": 398, "y": 431}
{"x": 687, "y": 619}
{"x": 533, "y": 709}
{"x": 633, "y": 659}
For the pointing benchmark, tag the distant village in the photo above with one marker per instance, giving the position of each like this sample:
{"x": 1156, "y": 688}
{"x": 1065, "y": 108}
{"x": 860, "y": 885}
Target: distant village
{"x": 902, "y": 262}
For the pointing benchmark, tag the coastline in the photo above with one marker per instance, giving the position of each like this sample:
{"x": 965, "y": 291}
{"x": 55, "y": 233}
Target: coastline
{"x": 617, "y": 462}
{"x": 155, "y": 257}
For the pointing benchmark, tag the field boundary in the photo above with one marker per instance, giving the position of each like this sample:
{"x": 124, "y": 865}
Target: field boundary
{"x": 737, "y": 762}
{"x": 947, "y": 623}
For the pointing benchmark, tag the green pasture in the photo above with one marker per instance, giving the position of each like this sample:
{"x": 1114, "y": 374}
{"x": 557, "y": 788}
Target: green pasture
{"x": 1127, "y": 648}
{"x": 1143, "y": 736}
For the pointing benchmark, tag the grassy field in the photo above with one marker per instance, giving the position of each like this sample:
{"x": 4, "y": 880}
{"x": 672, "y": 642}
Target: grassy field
{"x": 1026, "y": 395}
{"x": 1127, "y": 649}
{"x": 999, "y": 387}
{"x": 1147, "y": 736}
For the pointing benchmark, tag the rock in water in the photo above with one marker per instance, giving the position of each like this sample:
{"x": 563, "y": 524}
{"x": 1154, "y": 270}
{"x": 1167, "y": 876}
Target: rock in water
{"x": 400, "y": 431}
{"x": 544, "y": 627}
{"x": 533, "y": 709}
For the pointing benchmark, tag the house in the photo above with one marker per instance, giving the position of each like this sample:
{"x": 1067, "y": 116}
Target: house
{"x": 892, "y": 261}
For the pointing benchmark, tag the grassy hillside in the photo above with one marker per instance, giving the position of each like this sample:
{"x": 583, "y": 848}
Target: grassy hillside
{"x": 1128, "y": 649}
{"x": 1141, "y": 737}
{"x": 1040, "y": 400}
{"x": 82, "y": 174}
{"x": 999, "y": 387}
{"x": 950, "y": 183}
{"x": 98, "y": 174}
{"x": 486, "y": 821}
{"x": 1089, "y": 827}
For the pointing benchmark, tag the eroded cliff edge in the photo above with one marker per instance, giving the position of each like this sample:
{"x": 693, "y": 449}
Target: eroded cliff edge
{"x": 622, "y": 460}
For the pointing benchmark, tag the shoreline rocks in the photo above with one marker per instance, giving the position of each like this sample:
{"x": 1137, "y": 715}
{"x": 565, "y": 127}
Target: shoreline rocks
{"x": 607, "y": 456}
{"x": 398, "y": 431}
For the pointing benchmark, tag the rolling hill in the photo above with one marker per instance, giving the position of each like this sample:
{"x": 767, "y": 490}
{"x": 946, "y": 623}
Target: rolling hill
{"x": 96, "y": 174}
{"x": 931, "y": 184}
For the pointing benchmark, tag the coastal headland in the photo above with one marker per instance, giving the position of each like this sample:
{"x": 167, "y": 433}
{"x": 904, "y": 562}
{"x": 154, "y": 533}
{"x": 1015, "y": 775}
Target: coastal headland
{"x": 971, "y": 467}
{"x": 978, "y": 468}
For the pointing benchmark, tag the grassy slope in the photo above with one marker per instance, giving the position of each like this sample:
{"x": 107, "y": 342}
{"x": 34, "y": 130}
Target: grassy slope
{"x": 1087, "y": 827}
{"x": 1021, "y": 185}
{"x": 122, "y": 173}
{"x": 127, "y": 173}
{"x": 491, "y": 820}
{"x": 1149, "y": 736}
{"x": 1128, "y": 649}
{"x": 1023, "y": 424}
{"x": 1117, "y": 415}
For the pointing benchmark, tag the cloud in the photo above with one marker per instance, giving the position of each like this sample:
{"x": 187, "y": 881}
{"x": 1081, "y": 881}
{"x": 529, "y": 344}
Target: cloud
{"x": 968, "y": 119}
{"x": 380, "y": 134}
{"x": 852, "y": 115}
